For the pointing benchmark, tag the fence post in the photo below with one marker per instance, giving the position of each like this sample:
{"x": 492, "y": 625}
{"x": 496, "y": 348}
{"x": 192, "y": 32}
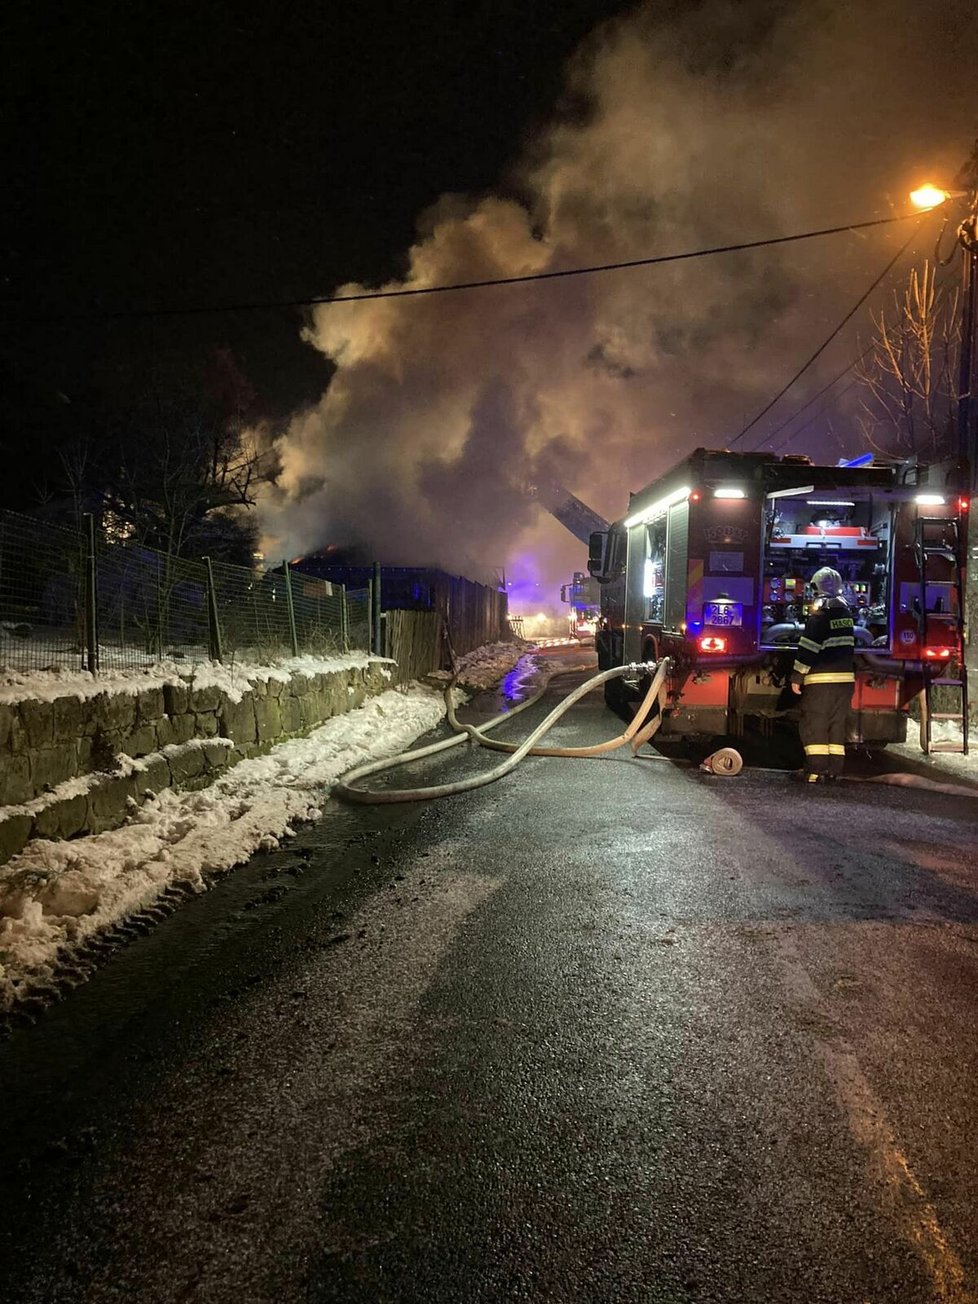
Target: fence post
{"x": 377, "y": 646}
{"x": 162, "y": 581}
{"x": 370, "y": 615}
{"x": 344, "y": 620}
{"x": 213, "y": 624}
{"x": 291, "y": 609}
{"x": 91, "y": 603}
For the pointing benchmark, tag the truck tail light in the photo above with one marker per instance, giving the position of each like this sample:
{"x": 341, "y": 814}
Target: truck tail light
{"x": 938, "y": 653}
{"x": 710, "y": 643}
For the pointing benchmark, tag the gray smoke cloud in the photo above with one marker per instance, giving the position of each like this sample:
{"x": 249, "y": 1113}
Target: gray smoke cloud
{"x": 686, "y": 126}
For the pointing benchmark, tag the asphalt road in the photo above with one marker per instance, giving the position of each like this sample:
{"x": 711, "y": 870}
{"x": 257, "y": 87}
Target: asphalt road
{"x": 607, "y": 1030}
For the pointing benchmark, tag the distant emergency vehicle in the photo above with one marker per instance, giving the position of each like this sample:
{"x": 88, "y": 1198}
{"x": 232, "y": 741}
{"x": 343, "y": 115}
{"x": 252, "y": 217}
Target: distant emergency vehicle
{"x": 584, "y": 596}
{"x": 712, "y": 563}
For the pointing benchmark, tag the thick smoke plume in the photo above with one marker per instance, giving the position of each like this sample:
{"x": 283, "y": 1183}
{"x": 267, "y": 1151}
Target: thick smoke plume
{"x": 685, "y": 126}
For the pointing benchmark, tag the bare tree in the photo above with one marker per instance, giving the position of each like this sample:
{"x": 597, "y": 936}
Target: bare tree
{"x": 176, "y": 483}
{"x": 160, "y": 464}
{"x": 910, "y": 372}
{"x": 179, "y": 466}
{"x": 173, "y": 467}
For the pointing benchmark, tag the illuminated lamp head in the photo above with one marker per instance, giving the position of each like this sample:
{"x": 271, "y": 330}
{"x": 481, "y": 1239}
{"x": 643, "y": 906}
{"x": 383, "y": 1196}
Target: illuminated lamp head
{"x": 827, "y": 582}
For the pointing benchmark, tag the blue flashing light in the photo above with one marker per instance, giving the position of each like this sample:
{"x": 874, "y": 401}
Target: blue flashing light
{"x": 863, "y": 459}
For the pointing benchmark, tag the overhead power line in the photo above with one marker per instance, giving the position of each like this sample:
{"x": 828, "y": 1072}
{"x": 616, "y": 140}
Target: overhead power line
{"x": 814, "y": 399}
{"x": 792, "y": 435}
{"x": 403, "y": 293}
{"x": 772, "y": 434}
{"x": 828, "y": 340}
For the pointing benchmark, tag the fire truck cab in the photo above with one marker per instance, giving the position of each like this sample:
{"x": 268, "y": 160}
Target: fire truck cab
{"x": 712, "y": 563}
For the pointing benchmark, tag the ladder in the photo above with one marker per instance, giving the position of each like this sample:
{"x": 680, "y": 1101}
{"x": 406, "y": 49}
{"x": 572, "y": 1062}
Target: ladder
{"x": 938, "y": 542}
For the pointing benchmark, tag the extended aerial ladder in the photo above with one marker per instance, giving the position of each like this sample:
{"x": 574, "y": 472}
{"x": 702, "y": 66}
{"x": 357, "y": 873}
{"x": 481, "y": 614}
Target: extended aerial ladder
{"x": 573, "y": 514}
{"x": 940, "y": 625}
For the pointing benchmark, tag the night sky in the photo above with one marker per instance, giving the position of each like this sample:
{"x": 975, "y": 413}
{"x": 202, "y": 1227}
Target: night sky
{"x": 198, "y": 155}
{"x": 175, "y": 156}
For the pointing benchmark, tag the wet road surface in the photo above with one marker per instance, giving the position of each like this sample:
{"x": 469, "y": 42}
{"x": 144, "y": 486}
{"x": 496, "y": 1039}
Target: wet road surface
{"x": 607, "y": 1030}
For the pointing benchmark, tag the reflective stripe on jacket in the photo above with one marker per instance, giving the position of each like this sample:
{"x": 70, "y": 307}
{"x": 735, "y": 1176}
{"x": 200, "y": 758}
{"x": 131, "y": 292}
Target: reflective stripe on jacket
{"x": 825, "y": 650}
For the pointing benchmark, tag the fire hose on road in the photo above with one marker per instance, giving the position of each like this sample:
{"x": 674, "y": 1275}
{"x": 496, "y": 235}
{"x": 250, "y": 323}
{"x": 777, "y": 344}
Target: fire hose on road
{"x": 725, "y": 762}
{"x": 644, "y": 724}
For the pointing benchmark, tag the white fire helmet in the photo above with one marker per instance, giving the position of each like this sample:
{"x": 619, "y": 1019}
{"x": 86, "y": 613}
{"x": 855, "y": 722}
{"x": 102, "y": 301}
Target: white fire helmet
{"x": 827, "y": 582}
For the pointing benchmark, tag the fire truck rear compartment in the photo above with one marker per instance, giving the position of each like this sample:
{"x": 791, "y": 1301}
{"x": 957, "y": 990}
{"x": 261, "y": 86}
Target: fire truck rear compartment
{"x": 805, "y": 533}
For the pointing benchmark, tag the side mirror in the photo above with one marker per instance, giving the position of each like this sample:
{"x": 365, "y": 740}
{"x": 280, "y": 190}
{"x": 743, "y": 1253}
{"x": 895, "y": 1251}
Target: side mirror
{"x": 597, "y": 551}
{"x": 603, "y": 558}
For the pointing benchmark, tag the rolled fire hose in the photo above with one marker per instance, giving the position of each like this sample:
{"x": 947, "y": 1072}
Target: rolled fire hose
{"x": 727, "y": 761}
{"x": 636, "y": 734}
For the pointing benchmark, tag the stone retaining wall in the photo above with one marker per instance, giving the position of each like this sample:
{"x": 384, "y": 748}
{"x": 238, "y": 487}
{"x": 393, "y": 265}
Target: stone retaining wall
{"x": 71, "y": 766}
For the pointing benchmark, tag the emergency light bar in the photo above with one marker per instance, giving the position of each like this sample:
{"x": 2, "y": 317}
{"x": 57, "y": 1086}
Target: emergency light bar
{"x": 650, "y": 513}
{"x": 929, "y": 500}
{"x": 728, "y": 491}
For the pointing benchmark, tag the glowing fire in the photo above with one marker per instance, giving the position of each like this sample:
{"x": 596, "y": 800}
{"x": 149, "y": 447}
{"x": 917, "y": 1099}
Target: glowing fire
{"x": 541, "y": 625}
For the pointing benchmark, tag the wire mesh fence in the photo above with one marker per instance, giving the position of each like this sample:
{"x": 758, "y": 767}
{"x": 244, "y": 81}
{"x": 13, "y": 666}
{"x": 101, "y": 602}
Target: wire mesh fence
{"x": 252, "y": 614}
{"x": 474, "y": 614}
{"x": 359, "y": 616}
{"x": 148, "y": 607}
{"x": 42, "y": 594}
{"x": 69, "y": 601}
{"x": 279, "y": 613}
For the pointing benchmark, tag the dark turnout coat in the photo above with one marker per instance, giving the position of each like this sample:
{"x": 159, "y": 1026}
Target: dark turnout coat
{"x": 825, "y": 650}
{"x": 824, "y": 669}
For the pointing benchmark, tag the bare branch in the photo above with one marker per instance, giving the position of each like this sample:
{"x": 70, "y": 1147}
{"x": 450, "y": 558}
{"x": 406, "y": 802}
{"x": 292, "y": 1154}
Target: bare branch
{"x": 908, "y": 375}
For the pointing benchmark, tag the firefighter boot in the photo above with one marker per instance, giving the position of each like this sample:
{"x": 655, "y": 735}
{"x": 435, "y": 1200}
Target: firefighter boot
{"x": 809, "y": 777}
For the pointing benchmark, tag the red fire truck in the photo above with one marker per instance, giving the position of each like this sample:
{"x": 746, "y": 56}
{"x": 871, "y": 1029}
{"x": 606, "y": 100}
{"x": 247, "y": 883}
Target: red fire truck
{"x": 711, "y": 566}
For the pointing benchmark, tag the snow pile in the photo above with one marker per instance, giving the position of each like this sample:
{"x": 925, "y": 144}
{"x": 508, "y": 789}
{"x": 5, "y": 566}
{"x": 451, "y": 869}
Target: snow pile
{"x": 234, "y": 678}
{"x": 55, "y": 894}
{"x": 484, "y": 667}
{"x": 81, "y": 784}
{"x": 946, "y": 733}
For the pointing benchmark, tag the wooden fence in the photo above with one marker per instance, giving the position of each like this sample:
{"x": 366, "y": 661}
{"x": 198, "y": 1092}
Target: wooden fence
{"x": 474, "y": 613}
{"x": 416, "y": 642}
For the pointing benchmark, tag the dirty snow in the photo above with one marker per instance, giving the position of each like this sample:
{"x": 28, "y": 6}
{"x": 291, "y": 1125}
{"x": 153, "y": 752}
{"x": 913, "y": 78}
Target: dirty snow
{"x": 55, "y": 894}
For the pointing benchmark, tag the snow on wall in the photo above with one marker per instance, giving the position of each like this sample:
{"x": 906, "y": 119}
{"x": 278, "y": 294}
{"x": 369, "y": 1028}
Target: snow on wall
{"x": 75, "y": 755}
{"x": 57, "y": 893}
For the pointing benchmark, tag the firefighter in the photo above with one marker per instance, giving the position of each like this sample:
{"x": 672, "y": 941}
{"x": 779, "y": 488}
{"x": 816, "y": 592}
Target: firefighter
{"x": 823, "y": 675}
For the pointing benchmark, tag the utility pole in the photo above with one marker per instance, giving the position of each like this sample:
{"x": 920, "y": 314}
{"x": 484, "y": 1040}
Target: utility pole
{"x": 965, "y": 194}
{"x": 968, "y": 240}
{"x": 967, "y": 404}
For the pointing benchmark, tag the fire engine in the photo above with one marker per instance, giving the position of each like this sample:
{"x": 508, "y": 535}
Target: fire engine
{"x": 584, "y": 596}
{"x": 711, "y": 566}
